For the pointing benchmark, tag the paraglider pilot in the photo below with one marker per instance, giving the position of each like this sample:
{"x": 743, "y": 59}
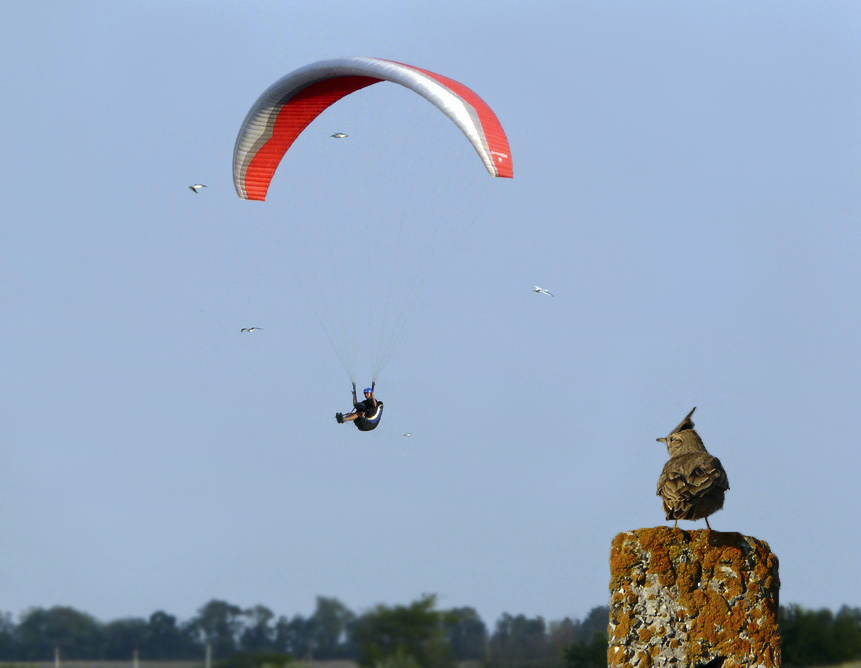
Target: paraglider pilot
{"x": 366, "y": 414}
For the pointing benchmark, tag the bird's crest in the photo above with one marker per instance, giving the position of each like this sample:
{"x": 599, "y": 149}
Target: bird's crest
{"x": 687, "y": 423}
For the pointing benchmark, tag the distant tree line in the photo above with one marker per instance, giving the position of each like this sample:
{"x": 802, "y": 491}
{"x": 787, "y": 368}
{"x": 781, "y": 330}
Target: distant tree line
{"x": 417, "y": 635}
{"x": 820, "y": 637}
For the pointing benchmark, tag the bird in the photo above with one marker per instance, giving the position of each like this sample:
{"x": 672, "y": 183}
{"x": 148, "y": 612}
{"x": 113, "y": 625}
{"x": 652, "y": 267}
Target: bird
{"x": 339, "y": 135}
{"x": 250, "y": 329}
{"x": 542, "y": 291}
{"x": 693, "y": 482}
{"x": 196, "y": 187}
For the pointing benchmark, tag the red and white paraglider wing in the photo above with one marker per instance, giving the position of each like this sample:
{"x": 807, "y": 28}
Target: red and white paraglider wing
{"x": 287, "y": 107}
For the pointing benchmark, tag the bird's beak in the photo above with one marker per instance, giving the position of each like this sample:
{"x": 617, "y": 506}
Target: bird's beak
{"x": 662, "y": 439}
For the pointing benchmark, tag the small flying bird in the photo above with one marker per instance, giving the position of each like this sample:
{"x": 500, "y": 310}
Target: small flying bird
{"x": 339, "y": 135}
{"x": 542, "y": 291}
{"x": 196, "y": 187}
{"x": 250, "y": 329}
{"x": 693, "y": 482}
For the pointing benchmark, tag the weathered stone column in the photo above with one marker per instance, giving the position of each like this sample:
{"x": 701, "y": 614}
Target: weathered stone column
{"x": 692, "y": 598}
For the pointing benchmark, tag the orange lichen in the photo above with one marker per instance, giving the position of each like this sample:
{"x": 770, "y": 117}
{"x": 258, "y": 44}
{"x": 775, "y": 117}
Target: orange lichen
{"x": 701, "y": 594}
{"x": 612, "y": 656}
{"x": 623, "y": 626}
{"x": 622, "y": 560}
{"x": 733, "y": 586}
{"x": 643, "y": 659}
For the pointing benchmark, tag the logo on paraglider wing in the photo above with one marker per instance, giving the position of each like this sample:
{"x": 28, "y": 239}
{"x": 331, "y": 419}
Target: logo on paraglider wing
{"x": 499, "y": 156}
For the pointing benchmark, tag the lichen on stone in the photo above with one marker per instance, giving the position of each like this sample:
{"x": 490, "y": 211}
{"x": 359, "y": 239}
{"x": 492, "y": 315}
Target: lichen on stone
{"x": 687, "y": 598}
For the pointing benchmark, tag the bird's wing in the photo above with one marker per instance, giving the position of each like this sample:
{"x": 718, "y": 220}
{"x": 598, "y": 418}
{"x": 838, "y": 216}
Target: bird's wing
{"x": 691, "y": 475}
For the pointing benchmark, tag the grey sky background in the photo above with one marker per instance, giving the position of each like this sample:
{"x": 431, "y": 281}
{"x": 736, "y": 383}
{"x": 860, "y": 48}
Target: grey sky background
{"x": 686, "y": 184}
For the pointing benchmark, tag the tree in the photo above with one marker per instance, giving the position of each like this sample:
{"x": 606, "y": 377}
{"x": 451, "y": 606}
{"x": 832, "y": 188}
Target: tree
{"x": 295, "y": 636}
{"x": 590, "y": 647}
{"x": 257, "y": 660}
{"x": 518, "y": 640}
{"x": 331, "y": 622}
{"x": 818, "y": 637}
{"x": 562, "y": 635}
{"x": 847, "y": 632}
{"x": 466, "y": 633}
{"x": 41, "y": 630}
{"x": 588, "y": 654}
{"x": 165, "y": 639}
{"x": 7, "y": 635}
{"x": 219, "y": 623}
{"x": 259, "y": 633}
{"x": 123, "y": 636}
{"x": 595, "y": 622}
{"x": 403, "y": 636}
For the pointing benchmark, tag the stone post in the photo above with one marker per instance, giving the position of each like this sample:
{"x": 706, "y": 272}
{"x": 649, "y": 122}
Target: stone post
{"x": 692, "y": 599}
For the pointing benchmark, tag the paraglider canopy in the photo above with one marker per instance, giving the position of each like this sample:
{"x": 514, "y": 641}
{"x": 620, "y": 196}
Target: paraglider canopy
{"x": 287, "y": 107}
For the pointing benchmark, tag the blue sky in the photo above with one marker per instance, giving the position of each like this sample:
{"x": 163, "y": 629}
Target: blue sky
{"x": 686, "y": 184}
